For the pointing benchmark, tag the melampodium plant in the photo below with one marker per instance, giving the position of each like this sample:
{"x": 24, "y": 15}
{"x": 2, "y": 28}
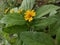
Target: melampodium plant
{"x": 26, "y": 26}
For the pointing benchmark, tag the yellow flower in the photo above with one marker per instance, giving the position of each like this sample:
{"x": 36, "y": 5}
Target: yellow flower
{"x": 12, "y": 11}
{"x": 6, "y": 10}
{"x": 29, "y": 14}
{"x": 19, "y": 11}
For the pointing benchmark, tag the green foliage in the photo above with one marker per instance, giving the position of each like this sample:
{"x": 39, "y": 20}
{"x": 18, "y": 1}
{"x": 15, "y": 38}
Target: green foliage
{"x": 55, "y": 26}
{"x": 44, "y": 10}
{"x": 44, "y": 22}
{"x": 13, "y": 19}
{"x": 36, "y": 38}
{"x": 15, "y": 30}
{"x": 27, "y": 4}
{"x": 53, "y": 1}
{"x": 58, "y": 36}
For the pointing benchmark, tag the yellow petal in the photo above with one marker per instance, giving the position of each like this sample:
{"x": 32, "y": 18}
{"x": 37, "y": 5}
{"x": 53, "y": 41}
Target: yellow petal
{"x": 33, "y": 13}
{"x": 30, "y": 19}
{"x": 6, "y": 10}
{"x": 26, "y": 18}
{"x": 12, "y": 11}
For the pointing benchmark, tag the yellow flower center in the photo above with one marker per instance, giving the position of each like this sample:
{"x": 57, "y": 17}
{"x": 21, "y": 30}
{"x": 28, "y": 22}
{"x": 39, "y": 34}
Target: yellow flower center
{"x": 29, "y": 14}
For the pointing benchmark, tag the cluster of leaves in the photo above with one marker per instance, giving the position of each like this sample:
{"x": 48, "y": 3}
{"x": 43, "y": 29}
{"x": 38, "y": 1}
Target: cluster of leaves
{"x": 43, "y": 30}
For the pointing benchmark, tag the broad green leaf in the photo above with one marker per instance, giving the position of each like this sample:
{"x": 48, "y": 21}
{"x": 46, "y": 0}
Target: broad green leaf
{"x": 36, "y": 38}
{"x": 27, "y": 4}
{"x": 43, "y": 23}
{"x": 13, "y": 19}
{"x": 45, "y": 9}
{"x": 53, "y": 28}
{"x": 15, "y": 29}
{"x": 58, "y": 36}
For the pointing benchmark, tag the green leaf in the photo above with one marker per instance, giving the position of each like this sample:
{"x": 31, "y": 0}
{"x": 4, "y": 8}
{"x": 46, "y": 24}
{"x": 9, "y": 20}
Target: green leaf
{"x": 27, "y": 4}
{"x": 18, "y": 42}
{"x": 13, "y": 19}
{"x": 53, "y": 28}
{"x": 15, "y": 29}
{"x": 51, "y": 1}
{"x": 45, "y": 9}
{"x": 58, "y": 37}
{"x": 36, "y": 38}
{"x": 53, "y": 12}
{"x": 43, "y": 23}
